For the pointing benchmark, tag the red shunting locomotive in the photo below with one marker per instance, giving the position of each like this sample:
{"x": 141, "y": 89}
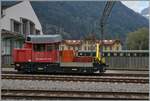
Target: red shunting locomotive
{"x": 40, "y": 53}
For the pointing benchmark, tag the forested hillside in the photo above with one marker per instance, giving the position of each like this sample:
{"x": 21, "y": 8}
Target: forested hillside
{"x": 76, "y": 19}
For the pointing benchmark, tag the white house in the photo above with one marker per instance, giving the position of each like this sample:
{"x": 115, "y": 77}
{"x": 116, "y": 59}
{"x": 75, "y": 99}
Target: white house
{"x": 17, "y": 21}
{"x": 21, "y": 18}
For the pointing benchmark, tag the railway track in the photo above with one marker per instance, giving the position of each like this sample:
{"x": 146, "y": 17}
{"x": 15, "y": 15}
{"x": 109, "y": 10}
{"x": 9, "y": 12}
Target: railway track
{"x": 104, "y": 74}
{"x": 46, "y": 94}
{"x": 77, "y": 78}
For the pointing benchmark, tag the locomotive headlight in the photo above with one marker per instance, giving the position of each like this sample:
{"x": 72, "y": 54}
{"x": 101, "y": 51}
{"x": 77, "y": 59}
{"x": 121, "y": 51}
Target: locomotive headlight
{"x": 29, "y": 60}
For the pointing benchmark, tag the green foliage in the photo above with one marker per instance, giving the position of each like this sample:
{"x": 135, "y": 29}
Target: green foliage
{"x": 138, "y": 40}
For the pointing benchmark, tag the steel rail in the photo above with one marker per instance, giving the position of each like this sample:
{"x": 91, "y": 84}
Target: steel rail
{"x": 77, "y": 74}
{"x": 46, "y": 94}
{"x": 77, "y": 78}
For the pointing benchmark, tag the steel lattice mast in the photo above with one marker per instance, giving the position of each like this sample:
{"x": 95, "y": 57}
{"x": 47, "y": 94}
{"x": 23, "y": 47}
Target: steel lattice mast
{"x": 106, "y": 12}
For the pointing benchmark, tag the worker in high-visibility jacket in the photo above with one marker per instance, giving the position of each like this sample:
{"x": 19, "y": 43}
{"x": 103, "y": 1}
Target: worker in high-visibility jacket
{"x": 99, "y": 58}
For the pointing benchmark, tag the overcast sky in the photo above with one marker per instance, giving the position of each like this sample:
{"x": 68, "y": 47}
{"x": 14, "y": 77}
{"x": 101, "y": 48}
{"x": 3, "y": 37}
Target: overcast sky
{"x": 137, "y": 6}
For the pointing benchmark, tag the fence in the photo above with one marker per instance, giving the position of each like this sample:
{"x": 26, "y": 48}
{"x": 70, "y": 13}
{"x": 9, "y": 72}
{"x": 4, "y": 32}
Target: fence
{"x": 125, "y": 59}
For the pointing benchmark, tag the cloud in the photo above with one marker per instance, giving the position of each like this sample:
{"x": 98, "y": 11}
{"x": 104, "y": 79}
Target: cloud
{"x": 137, "y": 6}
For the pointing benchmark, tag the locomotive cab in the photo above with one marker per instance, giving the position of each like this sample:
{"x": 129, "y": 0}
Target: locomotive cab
{"x": 40, "y": 53}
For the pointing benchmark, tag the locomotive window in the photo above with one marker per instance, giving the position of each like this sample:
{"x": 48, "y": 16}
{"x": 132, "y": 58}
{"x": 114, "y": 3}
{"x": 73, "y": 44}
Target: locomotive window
{"x": 39, "y": 47}
{"x": 50, "y": 47}
{"x": 56, "y": 47}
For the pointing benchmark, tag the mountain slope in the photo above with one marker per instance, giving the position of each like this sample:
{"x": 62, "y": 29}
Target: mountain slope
{"x": 145, "y": 12}
{"x": 76, "y": 19}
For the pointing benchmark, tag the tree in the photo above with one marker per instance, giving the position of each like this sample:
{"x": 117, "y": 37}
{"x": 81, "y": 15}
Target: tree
{"x": 138, "y": 40}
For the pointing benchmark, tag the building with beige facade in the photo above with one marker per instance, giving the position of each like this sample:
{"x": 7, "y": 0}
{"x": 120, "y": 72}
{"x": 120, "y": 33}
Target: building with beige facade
{"x": 90, "y": 45}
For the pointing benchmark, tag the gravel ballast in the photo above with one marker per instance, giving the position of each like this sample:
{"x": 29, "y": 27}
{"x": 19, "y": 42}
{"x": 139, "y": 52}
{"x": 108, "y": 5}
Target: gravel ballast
{"x": 75, "y": 86}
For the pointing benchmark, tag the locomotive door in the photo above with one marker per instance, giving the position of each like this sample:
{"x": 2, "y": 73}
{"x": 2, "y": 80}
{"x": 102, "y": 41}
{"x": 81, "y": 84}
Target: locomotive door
{"x": 38, "y": 53}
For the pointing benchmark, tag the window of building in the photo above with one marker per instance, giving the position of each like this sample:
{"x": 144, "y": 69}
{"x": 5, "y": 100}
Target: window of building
{"x": 7, "y": 47}
{"x": 32, "y": 28}
{"x": 37, "y": 32}
{"x": 25, "y": 26}
{"x": 15, "y": 26}
{"x": 28, "y": 27}
{"x": 39, "y": 47}
{"x": 3, "y": 13}
{"x": 86, "y": 42}
{"x": 93, "y": 47}
{"x": 89, "y": 48}
{"x": 84, "y": 47}
{"x": 17, "y": 44}
{"x": 117, "y": 48}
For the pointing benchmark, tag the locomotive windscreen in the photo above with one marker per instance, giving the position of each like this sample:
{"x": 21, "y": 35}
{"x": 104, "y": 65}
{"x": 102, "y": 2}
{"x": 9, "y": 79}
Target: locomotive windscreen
{"x": 44, "y": 38}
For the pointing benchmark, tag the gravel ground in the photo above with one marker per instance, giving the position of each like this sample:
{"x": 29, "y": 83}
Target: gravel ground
{"x": 76, "y": 86}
